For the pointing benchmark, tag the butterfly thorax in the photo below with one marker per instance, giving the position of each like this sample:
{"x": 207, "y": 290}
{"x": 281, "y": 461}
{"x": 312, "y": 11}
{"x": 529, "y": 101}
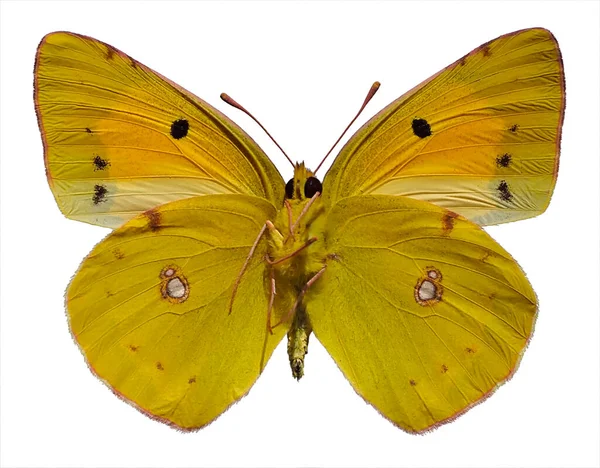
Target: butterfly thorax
{"x": 295, "y": 232}
{"x": 296, "y": 254}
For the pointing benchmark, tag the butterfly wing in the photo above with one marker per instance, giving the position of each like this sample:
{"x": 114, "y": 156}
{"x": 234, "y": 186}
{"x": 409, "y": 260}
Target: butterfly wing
{"x": 120, "y": 139}
{"x": 438, "y": 315}
{"x": 481, "y": 137}
{"x": 149, "y": 308}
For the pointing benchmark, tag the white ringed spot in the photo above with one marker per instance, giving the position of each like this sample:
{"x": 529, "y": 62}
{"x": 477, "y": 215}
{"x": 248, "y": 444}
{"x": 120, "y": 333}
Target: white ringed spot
{"x": 434, "y": 273}
{"x": 174, "y": 286}
{"x": 428, "y": 290}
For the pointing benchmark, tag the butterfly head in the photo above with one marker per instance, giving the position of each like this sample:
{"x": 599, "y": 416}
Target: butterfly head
{"x": 304, "y": 185}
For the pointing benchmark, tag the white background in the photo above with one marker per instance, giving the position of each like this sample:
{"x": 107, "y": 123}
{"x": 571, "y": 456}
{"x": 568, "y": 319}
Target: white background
{"x": 303, "y": 69}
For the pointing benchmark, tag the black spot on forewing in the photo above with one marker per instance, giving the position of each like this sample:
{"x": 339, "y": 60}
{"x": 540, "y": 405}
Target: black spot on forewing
{"x": 99, "y": 194}
{"x": 421, "y": 128}
{"x": 88, "y": 130}
{"x": 504, "y": 160}
{"x": 513, "y": 128}
{"x": 179, "y": 128}
{"x": 504, "y": 191}
{"x": 100, "y": 164}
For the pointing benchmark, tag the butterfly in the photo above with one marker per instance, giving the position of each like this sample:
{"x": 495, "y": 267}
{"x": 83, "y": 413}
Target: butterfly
{"x": 214, "y": 258}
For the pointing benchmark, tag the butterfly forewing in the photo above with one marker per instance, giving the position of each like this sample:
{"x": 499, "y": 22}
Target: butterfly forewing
{"x": 480, "y": 138}
{"x": 120, "y": 139}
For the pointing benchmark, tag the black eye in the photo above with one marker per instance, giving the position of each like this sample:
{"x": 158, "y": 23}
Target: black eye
{"x": 312, "y": 186}
{"x": 289, "y": 189}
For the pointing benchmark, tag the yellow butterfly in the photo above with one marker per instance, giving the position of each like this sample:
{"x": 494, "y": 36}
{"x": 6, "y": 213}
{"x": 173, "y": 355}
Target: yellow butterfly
{"x": 215, "y": 258}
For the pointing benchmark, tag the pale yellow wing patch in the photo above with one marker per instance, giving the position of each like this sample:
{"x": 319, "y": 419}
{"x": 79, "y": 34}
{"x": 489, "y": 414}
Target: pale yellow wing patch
{"x": 480, "y": 138}
{"x": 149, "y": 308}
{"x": 422, "y": 311}
{"x": 120, "y": 138}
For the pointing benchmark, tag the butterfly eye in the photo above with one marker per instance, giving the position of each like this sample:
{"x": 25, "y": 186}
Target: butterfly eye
{"x": 289, "y": 189}
{"x": 312, "y": 186}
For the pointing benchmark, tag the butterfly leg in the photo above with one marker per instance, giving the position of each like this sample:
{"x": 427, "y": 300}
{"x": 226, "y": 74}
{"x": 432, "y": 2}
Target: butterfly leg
{"x": 301, "y": 215}
{"x": 276, "y": 236}
{"x": 310, "y": 241}
{"x": 288, "y": 207}
{"x": 245, "y": 265}
{"x": 309, "y": 283}
{"x": 271, "y": 300}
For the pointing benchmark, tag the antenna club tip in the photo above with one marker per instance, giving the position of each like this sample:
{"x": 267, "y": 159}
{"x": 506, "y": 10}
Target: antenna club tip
{"x": 376, "y": 85}
{"x": 225, "y": 97}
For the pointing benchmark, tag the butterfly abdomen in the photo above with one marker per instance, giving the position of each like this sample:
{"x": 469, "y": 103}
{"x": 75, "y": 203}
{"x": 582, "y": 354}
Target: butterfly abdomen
{"x": 298, "y": 336}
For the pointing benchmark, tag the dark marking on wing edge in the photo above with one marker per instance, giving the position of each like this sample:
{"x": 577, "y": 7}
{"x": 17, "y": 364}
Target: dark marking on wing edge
{"x": 99, "y": 194}
{"x": 132, "y": 62}
{"x": 110, "y": 52}
{"x": 100, "y": 164}
{"x": 448, "y": 222}
{"x": 486, "y": 51}
{"x": 153, "y": 220}
{"x": 504, "y": 160}
{"x": 504, "y": 191}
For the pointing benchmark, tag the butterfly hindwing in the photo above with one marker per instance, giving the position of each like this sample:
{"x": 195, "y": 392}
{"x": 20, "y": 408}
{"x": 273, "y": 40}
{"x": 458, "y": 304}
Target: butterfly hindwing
{"x": 421, "y": 309}
{"x": 149, "y": 308}
{"x": 480, "y": 138}
{"x": 120, "y": 139}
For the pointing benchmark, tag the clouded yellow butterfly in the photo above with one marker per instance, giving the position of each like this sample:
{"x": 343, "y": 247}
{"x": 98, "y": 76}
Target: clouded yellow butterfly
{"x": 214, "y": 258}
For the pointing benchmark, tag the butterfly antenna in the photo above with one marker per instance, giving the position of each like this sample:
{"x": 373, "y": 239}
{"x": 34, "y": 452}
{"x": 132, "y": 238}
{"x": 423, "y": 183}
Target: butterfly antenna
{"x": 237, "y": 105}
{"x": 370, "y": 95}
